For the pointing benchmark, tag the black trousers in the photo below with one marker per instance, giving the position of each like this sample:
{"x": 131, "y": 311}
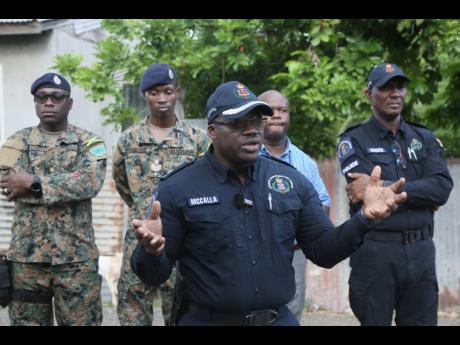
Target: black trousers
{"x": 392, "y": 278}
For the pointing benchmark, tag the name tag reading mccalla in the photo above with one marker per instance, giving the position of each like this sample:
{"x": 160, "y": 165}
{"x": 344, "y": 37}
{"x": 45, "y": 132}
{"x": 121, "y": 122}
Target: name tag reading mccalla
{"x": 203, "y": 200}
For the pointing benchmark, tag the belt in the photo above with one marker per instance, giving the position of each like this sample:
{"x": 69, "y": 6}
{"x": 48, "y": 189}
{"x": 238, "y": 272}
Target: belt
{"x": 29, "y": 296}
{"x": 252, "y": 318}
{"x": 405, "y": 237}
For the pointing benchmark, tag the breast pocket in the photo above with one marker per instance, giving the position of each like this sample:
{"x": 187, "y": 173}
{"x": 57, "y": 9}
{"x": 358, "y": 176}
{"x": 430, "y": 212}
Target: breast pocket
{"x": 209, "y": 232}
{"x": 283, "y": 214}
{"x": 385, "y": 161}
{"x": 139, "y": 170}
{"x": 381, "y": 159}
{"x": 67, "y": 159}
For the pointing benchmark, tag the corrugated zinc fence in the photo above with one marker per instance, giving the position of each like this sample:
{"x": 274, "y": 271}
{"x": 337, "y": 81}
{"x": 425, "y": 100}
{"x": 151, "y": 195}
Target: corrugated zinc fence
{"x": 328, "y": 289}
{"x": 108, "y": 218}
{"x": 325, "y": 288}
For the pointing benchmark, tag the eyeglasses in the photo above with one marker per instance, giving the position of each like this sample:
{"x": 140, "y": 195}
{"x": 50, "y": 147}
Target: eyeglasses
{"x": 56, "y": 98}
{"x": 397, "y": 153}
{"x": 241, "y": 125}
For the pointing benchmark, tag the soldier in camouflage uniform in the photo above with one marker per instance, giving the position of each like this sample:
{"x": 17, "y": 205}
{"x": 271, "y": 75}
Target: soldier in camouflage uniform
{"x": 145, "y": 152}
{"x": 51, "y": 172}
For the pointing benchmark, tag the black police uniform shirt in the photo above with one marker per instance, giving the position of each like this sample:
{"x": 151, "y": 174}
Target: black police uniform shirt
{"x": 235, "y": 242}
{"x": 428, "y": 181}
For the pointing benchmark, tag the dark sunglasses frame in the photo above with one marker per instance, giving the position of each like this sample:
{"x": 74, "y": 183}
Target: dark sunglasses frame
{"x": 241, "y": 125}
{"x": 54, "y": 97}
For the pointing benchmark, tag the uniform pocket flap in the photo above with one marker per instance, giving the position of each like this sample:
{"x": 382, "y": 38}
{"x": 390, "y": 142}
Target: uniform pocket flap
{"x": 205, "y": 214}
{"x": 280, "y": 206}
{"x": 381, "y": 158}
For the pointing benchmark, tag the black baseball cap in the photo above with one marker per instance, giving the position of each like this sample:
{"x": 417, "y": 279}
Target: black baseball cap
{"x": 234, "y": 100}
{"x": 382, "y": 73}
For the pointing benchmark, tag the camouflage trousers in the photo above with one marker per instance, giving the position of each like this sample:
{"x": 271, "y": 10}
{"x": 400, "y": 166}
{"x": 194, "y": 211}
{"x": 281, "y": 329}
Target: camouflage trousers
{"x": 135, "y": 299}
{"x": 74, "y": 287}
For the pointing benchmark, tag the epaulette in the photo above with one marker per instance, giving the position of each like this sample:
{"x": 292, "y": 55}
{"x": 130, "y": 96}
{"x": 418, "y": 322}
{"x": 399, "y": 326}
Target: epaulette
{"x": 350, "y": 128}
{"x": 176, "y": 170}
{"x": 416, "y": 124}
{"x": 279, "y": 161}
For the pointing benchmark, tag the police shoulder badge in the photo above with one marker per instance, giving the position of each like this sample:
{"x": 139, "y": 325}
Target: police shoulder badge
{"x": 345, "y": 149}
{"x": 280, "y": 183}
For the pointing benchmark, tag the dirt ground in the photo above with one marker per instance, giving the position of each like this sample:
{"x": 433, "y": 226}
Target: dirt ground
{"x": 309, "y": 318}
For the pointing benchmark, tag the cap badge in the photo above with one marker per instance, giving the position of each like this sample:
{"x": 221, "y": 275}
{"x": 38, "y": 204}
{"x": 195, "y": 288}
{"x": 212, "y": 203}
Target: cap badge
{"x": 389, "y": 68}
{"x": 170, "y": 73}
{"x": 242, "y": 91}
{"x": 57, "y": 80}
{"x": 281, "y": 184}
{"x": 211, "y": 111}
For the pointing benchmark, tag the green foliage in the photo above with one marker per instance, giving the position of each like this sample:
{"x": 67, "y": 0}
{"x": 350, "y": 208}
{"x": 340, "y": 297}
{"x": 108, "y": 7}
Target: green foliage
{"x": 321, "y": 65}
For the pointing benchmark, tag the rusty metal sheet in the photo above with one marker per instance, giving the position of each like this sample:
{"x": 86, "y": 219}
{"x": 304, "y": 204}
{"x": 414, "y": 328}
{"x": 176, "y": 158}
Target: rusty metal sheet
{"x": 328, "y": 289}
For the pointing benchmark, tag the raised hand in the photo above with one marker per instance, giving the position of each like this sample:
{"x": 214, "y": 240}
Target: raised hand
{"x": 149, "y": 231}
{"x": 357, "y": 188}
{"x": 380, "y": 201}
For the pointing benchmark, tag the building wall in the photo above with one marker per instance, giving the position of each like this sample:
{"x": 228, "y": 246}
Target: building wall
{"x": 23, "y": 58}
{"x": 26, "y": 57}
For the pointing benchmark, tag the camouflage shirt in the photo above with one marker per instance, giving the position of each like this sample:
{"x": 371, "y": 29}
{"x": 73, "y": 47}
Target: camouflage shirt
{"x": 57, "y": 227}
{"x": 139, "y": 161}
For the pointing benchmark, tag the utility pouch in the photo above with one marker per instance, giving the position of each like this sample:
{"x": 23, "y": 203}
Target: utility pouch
{"x": 5, "y": 282}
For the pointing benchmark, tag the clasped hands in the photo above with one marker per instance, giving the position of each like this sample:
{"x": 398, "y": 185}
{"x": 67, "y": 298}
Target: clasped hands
{"x": 379, "y": 201}
{"x": 16, "y": 185}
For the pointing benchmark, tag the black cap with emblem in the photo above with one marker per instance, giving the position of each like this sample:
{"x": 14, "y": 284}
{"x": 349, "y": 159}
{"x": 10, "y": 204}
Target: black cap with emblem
{"x": 52, "y": 80}
{"x": 382, "y": 73}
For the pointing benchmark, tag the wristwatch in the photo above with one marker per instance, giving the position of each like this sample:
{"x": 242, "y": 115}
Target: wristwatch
{"x": 36, "y": 186}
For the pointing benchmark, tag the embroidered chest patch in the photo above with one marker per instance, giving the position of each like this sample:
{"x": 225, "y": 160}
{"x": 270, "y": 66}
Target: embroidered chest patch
{"x": 280, "y": 183}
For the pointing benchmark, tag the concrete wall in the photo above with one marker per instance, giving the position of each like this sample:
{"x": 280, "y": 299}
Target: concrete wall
{"x": 328, "y": 289}
{"x": 23, "y": 58}
{"x": 26, "y": 57}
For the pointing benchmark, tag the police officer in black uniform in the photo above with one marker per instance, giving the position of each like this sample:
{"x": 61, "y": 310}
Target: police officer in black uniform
{"x": 394, "y": 269}
{"x": 231, "y": 217}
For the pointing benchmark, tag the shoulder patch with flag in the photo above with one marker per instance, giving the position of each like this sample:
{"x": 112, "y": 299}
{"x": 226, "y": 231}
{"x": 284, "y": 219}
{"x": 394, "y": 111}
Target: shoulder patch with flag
{"x": 96, "y": 148}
